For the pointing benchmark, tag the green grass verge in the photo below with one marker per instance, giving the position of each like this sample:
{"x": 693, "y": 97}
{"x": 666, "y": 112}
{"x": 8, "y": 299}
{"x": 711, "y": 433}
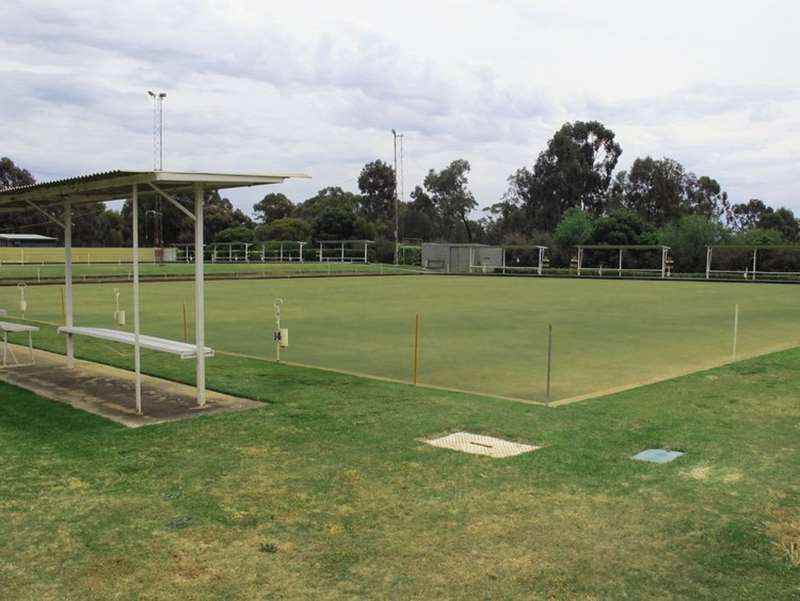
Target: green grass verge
{"x": 328, "y": 493}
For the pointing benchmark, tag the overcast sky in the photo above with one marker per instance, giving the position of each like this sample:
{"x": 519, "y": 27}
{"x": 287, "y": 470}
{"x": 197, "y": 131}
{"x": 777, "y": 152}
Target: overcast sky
{"x": 316, "y": 87}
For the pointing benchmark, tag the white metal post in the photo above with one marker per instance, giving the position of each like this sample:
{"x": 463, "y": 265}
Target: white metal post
{"x": 302, "y": 244}
{"x": 755, "y": 254}
{"x": 137, "y": 358}
{"x": 320, "y": 252}
{"x": 708, "y": 262}
{"x": 366, "y": 257}
{"x": 68, "y": 317}
{"x": 199, "y": 299}
{"x": 663, "y": 263}
{"x": 342, "y": 252}
{"x": 541, "y": 260}
{"x": 619, "y": 268}
{"x": 580, "y": 259}
{"x": 281, "y": 252}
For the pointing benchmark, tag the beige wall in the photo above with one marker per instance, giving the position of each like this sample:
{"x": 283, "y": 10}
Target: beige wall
{"x": 79, "y": 255}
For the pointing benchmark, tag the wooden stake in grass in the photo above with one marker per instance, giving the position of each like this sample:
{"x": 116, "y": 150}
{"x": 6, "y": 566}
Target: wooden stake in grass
{"x": 416, "y": 350}
{"x": 185, "y": 324}
{"x": 549, "y": 358}
{"x": 735, "y": 330}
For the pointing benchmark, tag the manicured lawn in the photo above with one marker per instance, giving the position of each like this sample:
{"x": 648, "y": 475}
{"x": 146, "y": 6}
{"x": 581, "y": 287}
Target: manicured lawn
{"x": 328, "y": 493}
{"x": 483, "y": 334}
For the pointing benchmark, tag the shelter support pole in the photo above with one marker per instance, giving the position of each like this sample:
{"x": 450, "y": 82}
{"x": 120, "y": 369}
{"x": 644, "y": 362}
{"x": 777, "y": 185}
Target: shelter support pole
{"x": 580, "y": 259}
{"x": 320, "y": 252}
{"x": 137, "y": 351}
{"x": 708, "y": 262}
{"x": 199, "y": 297}
{"x": 619, "y": 268}
{"x": 302, "y": 244}
{"x": 366, "y": 258}
{"x": 342, "y": 252}
{"x": 663, "y": 263}
{"x": 68, "y": 314}
{"x": 541, "y": 259}
{"x": 755, "y": 256}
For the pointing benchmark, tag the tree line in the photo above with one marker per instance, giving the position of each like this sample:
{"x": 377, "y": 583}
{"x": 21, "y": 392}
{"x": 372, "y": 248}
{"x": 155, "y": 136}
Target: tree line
{"x": 571, "y": 194}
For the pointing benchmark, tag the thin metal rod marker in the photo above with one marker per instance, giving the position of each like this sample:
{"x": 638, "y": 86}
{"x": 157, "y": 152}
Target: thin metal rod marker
{"x": 735, "y": 329}
{"x": 549, "y": 358}
{"x": 185, "y": 324}
{"x": 416, "y": 350}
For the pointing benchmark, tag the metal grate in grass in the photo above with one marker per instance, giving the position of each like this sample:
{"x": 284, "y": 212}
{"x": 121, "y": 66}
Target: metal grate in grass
{"x": 657, "y": 455}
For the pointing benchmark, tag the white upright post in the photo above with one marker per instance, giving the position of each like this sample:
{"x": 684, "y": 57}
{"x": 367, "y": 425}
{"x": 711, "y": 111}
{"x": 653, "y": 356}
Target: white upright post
{"x": 504, "y": 260}
{"x": 342, "y": 252}
{"x": 663, "y": 263}
{"x": 137, "y": 358}
{"x": 68, "y": 315}
{"x": 199, "y": 299}
{"x": 619, "y": 268}
{"x": 755, "y": 254}
{"x": 302, "y": 244}
{"x": 580, "y": 260}
{"x": 366, "y": 257}
{"x": 320, "y": 252}
{"x": 281, "y": 252}
{"x": 541, "y": 259}
{"x": 708, "y": 262}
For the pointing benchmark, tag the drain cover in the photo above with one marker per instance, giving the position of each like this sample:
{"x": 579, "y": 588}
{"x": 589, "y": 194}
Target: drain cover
{"x": 481, "y": 445}
{"x": 657, "y": 455}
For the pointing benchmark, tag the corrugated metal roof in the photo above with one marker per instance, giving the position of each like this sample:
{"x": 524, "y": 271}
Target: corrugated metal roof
{"x": 71, "y": 180}
{"x": 117, "y": 185}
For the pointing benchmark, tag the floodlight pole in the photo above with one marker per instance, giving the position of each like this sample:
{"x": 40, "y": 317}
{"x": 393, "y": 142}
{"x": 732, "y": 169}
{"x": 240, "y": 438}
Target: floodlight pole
{"x": 396, "y": 206}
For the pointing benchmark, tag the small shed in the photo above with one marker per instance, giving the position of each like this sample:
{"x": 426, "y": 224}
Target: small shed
{"x": 460, "y": 258}
{"x": 26, "y": 240}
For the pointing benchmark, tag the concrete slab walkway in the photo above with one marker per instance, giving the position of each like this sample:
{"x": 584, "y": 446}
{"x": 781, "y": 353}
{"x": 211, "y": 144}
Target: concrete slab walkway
{"x": 109, "y": 391}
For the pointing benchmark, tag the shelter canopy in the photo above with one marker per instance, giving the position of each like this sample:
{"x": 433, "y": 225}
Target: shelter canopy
{"x": 116, "y": 185}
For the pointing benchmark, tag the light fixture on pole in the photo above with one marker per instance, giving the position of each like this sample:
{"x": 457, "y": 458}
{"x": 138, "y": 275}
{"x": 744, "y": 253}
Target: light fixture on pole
{"x": 396, "y": 205}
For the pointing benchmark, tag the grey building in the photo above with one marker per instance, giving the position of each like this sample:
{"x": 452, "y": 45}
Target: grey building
{"x": 457, "y": 258}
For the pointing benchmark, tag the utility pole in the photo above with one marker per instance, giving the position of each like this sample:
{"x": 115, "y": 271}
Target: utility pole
{"x": 396, "y": 206}
{"x": 402, "y": 170}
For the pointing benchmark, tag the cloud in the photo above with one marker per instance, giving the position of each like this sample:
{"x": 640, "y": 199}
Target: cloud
{"x": 305, "y": 86}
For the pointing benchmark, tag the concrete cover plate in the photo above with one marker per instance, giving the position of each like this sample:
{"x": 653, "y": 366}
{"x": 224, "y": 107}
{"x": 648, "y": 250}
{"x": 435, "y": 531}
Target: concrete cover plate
{"x": 657, "y": 455}
{"x": 481, "y": 445}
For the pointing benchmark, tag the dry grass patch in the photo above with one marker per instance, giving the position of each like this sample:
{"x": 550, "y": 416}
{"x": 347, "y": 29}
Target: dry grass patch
{"x": 784, "y": 529}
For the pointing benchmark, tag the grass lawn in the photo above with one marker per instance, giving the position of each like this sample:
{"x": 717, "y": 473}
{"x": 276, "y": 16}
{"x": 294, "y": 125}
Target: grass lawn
{"x": 483, "y": 334}
{"x": 328, "y": 493}
{"x": 34, "y": 272}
